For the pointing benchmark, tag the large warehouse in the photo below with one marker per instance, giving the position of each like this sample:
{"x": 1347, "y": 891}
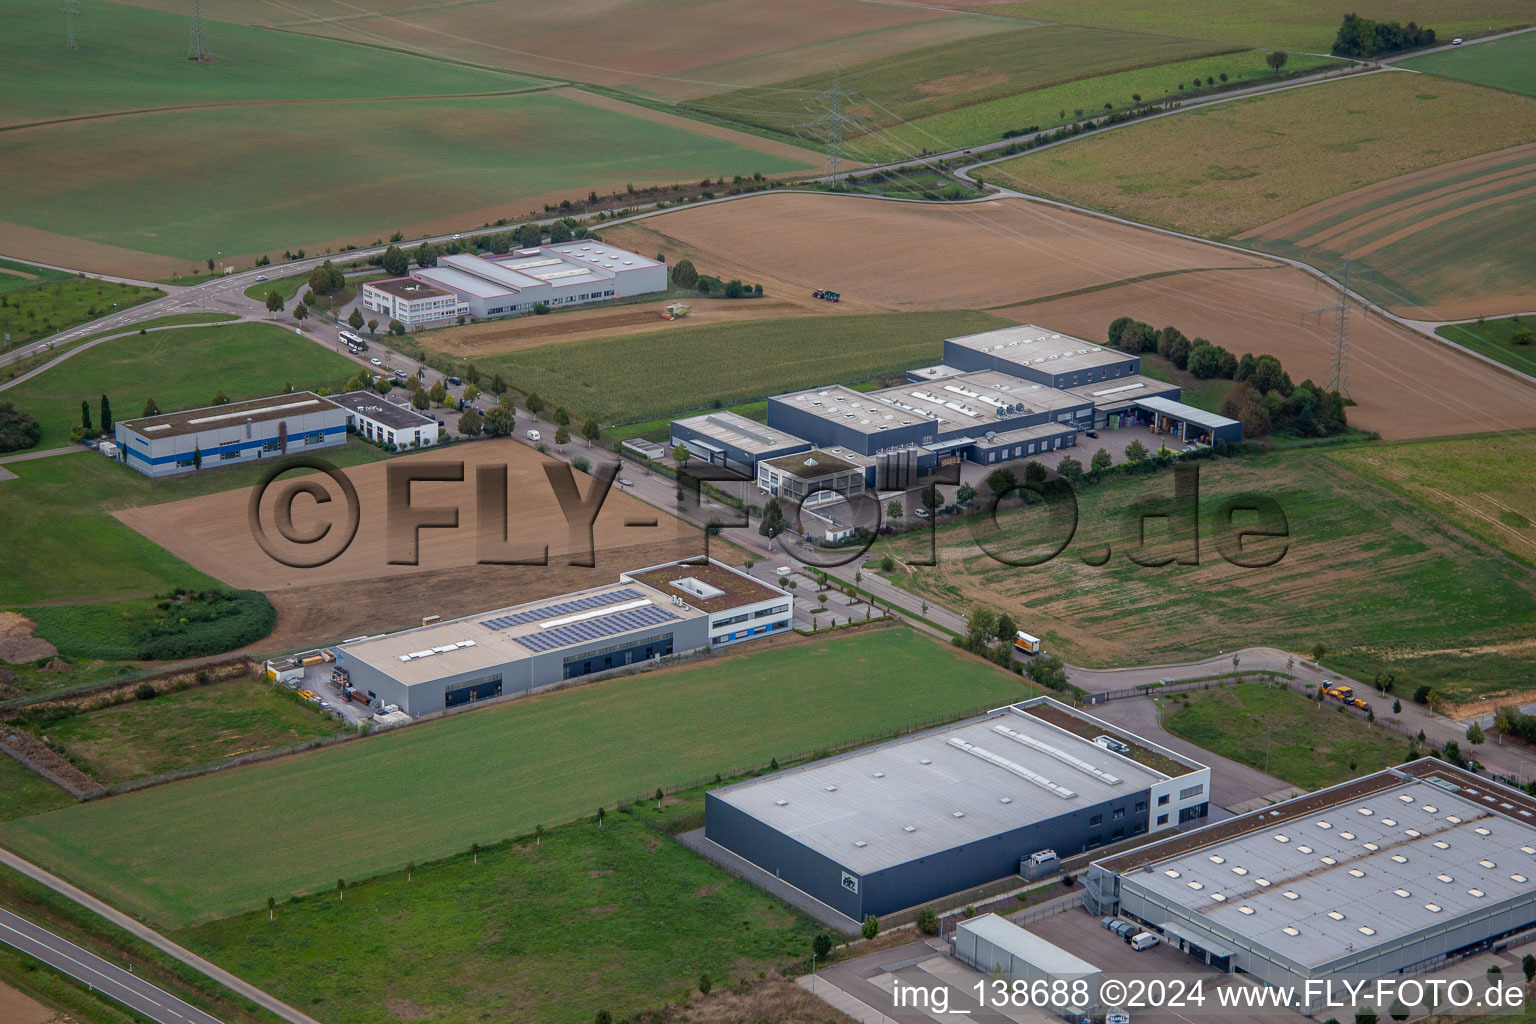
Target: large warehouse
{"x": 553, "y": 275}
{"x": 1041, "y": 356}
{"x": 731, "y": 440}
{"x": 1408, "y": 868}
{"x": 649, "y": 613}
{"x": 896, "y": 825}
{"x": 218, "y": 435}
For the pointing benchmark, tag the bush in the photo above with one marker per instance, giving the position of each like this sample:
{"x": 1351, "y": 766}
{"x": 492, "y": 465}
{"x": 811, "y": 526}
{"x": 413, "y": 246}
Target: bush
{"x": 146, "y": 691}
{"x": 928, "y": 921}
{"x": 1422, "y": 694}
{"x": 18, "y": 429}
{"x": 191, "y": 625}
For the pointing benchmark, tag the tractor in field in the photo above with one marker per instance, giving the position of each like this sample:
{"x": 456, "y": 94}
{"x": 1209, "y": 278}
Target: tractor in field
{"x": 675, "y": 311}
{"x": 827, "y": 295}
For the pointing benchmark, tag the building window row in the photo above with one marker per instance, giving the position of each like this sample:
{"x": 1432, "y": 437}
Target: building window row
{"x": 1189, "y": 791}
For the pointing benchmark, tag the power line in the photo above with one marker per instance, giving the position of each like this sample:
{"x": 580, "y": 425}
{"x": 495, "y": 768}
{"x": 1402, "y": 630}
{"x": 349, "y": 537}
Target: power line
{"x": 197, "y": 44}
{"x": 834, "y": 123}
{"x": 1338, "y": 379}
{"x": 71, "y": 10}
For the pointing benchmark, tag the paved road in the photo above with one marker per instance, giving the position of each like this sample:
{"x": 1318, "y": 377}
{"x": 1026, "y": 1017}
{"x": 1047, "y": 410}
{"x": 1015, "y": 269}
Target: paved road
{"x": 90, "y": 969}
{"x": 154, "y": 938}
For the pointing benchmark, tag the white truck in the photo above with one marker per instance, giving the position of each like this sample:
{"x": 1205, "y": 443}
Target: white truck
{"x": 1026, "y": 644}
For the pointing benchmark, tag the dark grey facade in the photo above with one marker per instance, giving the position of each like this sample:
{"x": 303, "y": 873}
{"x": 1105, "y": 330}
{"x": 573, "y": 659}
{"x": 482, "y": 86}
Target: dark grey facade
{"x": 719, "y": 447}
{"x": 963, "y": 357}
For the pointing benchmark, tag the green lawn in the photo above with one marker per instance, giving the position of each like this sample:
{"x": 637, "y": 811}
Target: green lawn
{"x": 1365, "y": 569}
{"x": 48, "y": 301}
{"x": 191, "y": 183}
{"x": 1501, "y": 63}
{"x": 1306, "y": 745}
{"x": 131, "y": 58}
{"x": 23, "y": 794}
{"x": 1072, "y": 100}
{"x": 636, "y": 377}
{"x": 63, "y": 545}
{"x": 955, "y": 75}
{"x": 1293, "y": 24}
{"x": 195, "y": 726}
{"x": 618, "y": 918}
{"x": 173, "y": 320}
{"x": 277, "y": 828}
{"x": 1495, "y": 339}
{"x": 180, "y": 369}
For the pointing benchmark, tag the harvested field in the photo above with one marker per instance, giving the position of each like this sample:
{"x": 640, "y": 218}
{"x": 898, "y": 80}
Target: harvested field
{"x": 1456, "y": 240}
{"x": 918, "y": 256}
{"x": 211, "y": 532}
{"x": 1222, "y": 170}
{"x": 500, "y": 336}
{"x": 674, "y": 47}
{"x": 16, "y": 1008}
{"x": 1405, "y": 385}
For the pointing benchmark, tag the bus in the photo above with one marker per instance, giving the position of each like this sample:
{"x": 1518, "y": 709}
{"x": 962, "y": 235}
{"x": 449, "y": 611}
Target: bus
{"x": 1026, "y": 644}
{"x": 354, "y": 343}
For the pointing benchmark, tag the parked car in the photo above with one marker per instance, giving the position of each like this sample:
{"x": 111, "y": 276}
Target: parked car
{"x": 375, "y": 362}
{"x": 1144, "y": 940}
{"x": 624, "y": 481}
{"x": 533, "y": 435}
{"x": 456, "y": 382}
{"x": 401, "y": 374}
{"x": 261, "y": 277}
{"x": 1456, "y": 41}
{"x": 1093, "y": 434}
{"x": 921, "y": 513}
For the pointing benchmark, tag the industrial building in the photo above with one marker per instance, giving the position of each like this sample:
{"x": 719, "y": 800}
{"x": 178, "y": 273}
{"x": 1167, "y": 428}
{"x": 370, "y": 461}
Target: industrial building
{"x": 649, "y": 613}
{"x": 802, "y": 476}
{"x": 731, "y": 440}
{"x": 219, "y": 435}
{"x": 898, "y": 824}
{"x": 411, "y": 301}
{"x": 569, "y": 273}
{"x": 1040, "y": 356}
{"x": 997, "y": 947}
{"x": 374, "y": 417}
{"x": 1400, "y": 871}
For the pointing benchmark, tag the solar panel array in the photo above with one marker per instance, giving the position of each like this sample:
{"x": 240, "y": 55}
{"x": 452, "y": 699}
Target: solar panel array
{"x": 595, "y": 629}
{"x": 554, "y": 611}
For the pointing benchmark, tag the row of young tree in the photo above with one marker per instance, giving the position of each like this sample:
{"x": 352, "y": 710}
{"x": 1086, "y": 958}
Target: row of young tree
{"x": 1364, "y": 38}
{"x": 1262, "y": 396}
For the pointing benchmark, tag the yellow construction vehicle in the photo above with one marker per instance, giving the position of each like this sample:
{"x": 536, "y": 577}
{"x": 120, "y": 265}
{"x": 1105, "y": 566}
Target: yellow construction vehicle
{"x": 675, "y": 311}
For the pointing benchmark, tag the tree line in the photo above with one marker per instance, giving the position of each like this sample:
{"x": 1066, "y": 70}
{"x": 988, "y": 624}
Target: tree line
{"x": 1262, "y": 396}
{"x": 1364, "y": 38}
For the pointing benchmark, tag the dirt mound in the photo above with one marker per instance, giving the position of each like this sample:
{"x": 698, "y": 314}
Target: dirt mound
{"x": 17, "y": 644}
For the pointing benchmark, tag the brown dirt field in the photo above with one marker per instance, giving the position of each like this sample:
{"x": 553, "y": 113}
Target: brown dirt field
{"x": 18, "y": 273}
{"x": 212, "y": 534}
{"x": 17, "y": 644}
{"x": 917, "y": 256}
{"x": 16, "y": 1008}
{"x": 531, "y": 332}
{"x": 1405, "y": 384}
{"x": 46, "y": 247}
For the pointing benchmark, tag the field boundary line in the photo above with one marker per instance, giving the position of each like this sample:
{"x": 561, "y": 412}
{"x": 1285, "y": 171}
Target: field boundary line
{"x": 154, "y": 938}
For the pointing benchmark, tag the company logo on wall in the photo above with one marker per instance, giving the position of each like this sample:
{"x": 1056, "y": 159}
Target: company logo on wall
{"x": 850, "y": 882}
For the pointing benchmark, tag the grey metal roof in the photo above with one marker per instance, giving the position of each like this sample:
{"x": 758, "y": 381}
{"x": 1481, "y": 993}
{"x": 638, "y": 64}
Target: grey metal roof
{"x": 1043, "y": 350}
{"x": 919, "y": 795}
{"x": 1343, "y": 868}
{"x": 1026, "y": 945}
{"x": 737, "y": 431}
{"x": 1188, "y": 413}
{"x": 375, "y": 407}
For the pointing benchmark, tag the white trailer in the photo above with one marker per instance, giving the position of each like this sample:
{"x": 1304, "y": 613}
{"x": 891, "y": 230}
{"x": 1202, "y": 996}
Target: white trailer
{"x": 1026, "y": 644}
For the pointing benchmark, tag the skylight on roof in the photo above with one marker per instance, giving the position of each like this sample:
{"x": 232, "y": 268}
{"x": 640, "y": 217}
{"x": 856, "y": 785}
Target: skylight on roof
{"x": 1357, "y": 873}
{"x": 1281, "y": 837}
{"x": 1304, "y": 848}
{"x": 1335, "y": 915}
{"x": 1325, "y": 825}
{"x": 1245, "y": 910}
{"x": 1347, "y": 835}
{"x": 1262, "y": 883}
{"x": 1445, "y": 877}
{"x": 1433, "y": 908}
{"x": 1519, "y": 878}
{"x": 1218, "y": 897}
{"x": 1371, "y": 846}
{"x": 1389, "y": 822}
{"x": 1291, "y": 895}
{"x": 1404, "y": 893}
{"x": 1195, "y": 885}
{"x": 1329, "y": 861}
{"x": 1476, "y": 892}
{"x": 1441, "y": 844}
{"x": 1366, "y": 811}
{"x": 1488, "y": 864}
{"x": 1482, "y": 831}
{"x": 1239, "y": 871}
{"x": 1453, "y": 819}
{"x": 1366, "y": 930}
{"x": 1290, "y": 930}
{"x": 1171, "y": 873}
{"x": 1431, "y": 809}
{"x": 1412, "y": 833}
{"x": 1400, "y": 858}
{"x": 1218, "y": 859}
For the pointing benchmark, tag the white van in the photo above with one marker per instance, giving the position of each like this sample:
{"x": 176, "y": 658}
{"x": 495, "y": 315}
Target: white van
{"x": 1145, "y": 940}
{"x": 533, "y": 435}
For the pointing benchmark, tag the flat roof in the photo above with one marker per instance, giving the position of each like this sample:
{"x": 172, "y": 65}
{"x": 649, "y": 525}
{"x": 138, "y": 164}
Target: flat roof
{"x": 854, "y": 409}
{"x": 816, "y": 463}
{"x": 1159, "y": 759}
{"x": 937, "y": 372}
{"x": 379, "y": 409}
{"x": 484, "y": 641}
{"x": 1022, "y": 434}
{"x": 886, "y": 805}
{"x": 408, "y": 288}
{"x": 1042, "y": 350}
{"x": 740, "y": 432}
{"x": 1354, "y": 871}
{"x": 459, "y": 281}
{"x": 1121, "y": 392}
{"x": 601, "y": 254}
{"x": 1188, "y": 413}
{"x": 973, "y": 401}
{"x": 1027, "y": 946}
{"x": 231, "y": 414}
{"x": 735, "y": 589}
